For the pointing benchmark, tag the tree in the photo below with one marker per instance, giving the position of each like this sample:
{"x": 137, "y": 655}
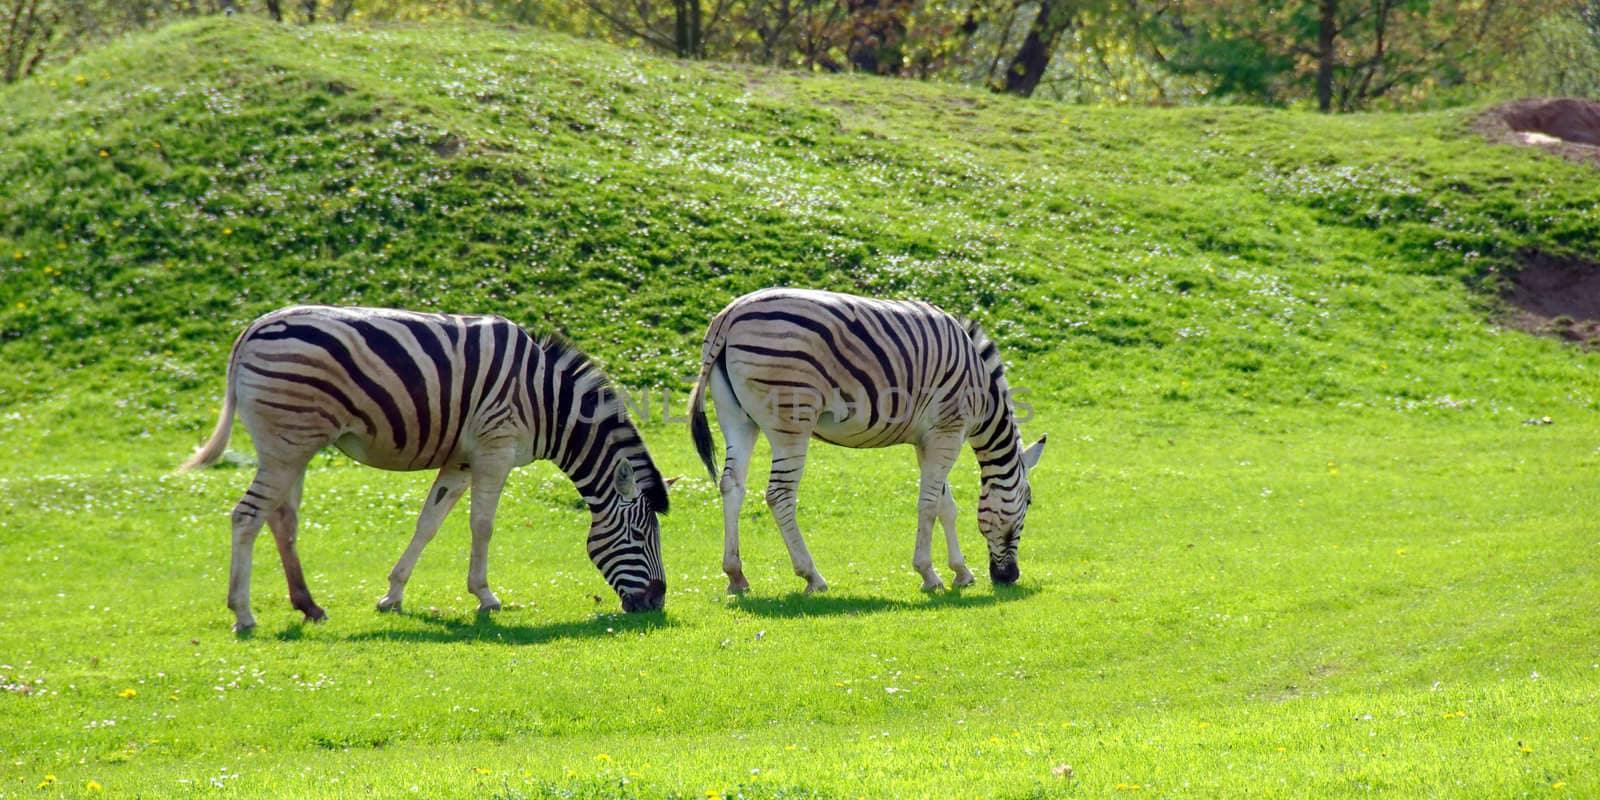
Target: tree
{"x": 1344, "y": 54}
{"x": 1027, "y": 68}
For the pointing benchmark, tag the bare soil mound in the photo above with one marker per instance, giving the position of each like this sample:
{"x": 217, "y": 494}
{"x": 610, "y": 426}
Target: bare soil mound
{"x": 1556, "y": 297}
{"x": 1565, "y": 127}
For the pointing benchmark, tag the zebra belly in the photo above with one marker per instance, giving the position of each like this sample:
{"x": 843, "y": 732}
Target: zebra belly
{"x": 360, "y": 448}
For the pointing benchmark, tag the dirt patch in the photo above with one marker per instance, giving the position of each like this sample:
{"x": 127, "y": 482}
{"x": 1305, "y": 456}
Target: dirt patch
{"x": 448, "y": 146}
{"x": 1565, "y": 127}
{"x": 1556, "y": 296}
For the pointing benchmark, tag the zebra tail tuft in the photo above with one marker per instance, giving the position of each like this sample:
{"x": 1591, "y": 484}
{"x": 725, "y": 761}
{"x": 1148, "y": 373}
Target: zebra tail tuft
{"x": 210, "y": 452}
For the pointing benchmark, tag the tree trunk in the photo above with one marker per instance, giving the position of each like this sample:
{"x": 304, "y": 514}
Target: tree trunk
{"x": 1327, "y": 31}
{"x": 1028, "y": 67}
{"x": 687, "y": 38}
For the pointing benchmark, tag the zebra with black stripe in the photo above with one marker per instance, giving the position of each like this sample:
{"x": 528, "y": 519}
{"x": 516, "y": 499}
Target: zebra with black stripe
{"x": 469, "y": 396}
{"x": 796, "y": 364}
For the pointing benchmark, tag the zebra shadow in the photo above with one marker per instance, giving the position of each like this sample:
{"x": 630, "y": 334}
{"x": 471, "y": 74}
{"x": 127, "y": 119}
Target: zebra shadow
{"x": 493, "y": 629}
{"x": 800, "y": 604}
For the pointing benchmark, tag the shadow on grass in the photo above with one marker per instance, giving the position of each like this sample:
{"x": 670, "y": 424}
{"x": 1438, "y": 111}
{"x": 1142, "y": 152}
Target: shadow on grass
{"x": 799, "y": 604}
{"x": 490, "y": 627}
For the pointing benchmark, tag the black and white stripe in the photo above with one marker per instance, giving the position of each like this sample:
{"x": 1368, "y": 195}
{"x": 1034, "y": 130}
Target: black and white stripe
{"x": 796, "y": 364}
{"x": 469, "y": 396}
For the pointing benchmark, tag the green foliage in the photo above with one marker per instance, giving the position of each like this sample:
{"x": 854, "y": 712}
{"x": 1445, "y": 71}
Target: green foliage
{"x": 1291, "y": 536}
{"x": 1561, "y": 56}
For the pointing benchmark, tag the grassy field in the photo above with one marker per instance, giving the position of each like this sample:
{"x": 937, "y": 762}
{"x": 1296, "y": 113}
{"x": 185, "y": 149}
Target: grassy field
{"x": 1292, "y": 536}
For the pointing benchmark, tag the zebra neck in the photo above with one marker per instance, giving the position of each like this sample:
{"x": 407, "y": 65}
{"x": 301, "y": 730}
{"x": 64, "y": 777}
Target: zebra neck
{"x": 996, "y": 441}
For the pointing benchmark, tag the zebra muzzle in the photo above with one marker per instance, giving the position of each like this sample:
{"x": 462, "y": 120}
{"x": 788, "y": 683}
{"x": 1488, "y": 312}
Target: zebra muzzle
{"x": 1006, "y": 574}
{"x": 652, "y": 598}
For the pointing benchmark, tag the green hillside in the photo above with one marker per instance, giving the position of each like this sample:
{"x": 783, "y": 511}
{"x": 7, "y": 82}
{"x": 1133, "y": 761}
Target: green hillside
{"x": 164, "y": 190}
{"x": 1292, "y": 537}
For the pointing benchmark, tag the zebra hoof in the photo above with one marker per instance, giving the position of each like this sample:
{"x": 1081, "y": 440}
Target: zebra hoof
{"x": 316, "y": 614}
{"x": 817, "y": 586}
{"x": 739, "y": 586}
{"x": 488, "y": 605}
{"x": 934, "y": 585}
{"x": 964, "y": 578}
{"x": 387, "y": 603}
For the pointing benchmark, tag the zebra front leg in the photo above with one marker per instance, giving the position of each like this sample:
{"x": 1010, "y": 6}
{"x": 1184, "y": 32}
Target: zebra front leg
{"x": 783, "y": 497}
{"x": 285, "y": 522}
{"x": 947, "y": 520}
{"x": 935, "y": 455}
{"x": 489, "y": 470}
{"x": 442, "y": 496}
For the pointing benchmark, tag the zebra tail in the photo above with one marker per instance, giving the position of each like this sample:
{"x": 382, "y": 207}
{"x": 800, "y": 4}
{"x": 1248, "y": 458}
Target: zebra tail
{"x": 212, "y": 450}
{"x": 699, "y": 429}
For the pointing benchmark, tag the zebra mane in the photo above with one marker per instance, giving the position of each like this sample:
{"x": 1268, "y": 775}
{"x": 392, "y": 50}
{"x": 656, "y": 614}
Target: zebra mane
{"x": 590, "y": 380}
{"x": 988, "y": 351}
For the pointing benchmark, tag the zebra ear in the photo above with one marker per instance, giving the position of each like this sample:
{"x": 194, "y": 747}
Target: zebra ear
{"x": 627, "y": 487}
{"x": 1030, "y": 456}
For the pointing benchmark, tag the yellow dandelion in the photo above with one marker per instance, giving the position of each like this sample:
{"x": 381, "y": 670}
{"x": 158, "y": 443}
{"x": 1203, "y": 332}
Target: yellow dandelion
{"x": 94, "y": 786}
{"x": 104, "y": 154}
{"x": 1526, "y": 750}
{"x": 1559, "y": 785}
{"x": 227, "y": 231}
{"x": 602, "y": 757}
{"x": 128, "y": 694}
{"x": 17, "y": 255}
{"x": 61, "y": 245}
{"x": 48, "y": 779}
{"x": 1400, "y": 552}
{"x": 1205, "y": 724}
{"x": 21, "y": 306}
{"x": 353, "y": 190}
{"x": 483, "y": 770}
{"x": 156, "y": 145}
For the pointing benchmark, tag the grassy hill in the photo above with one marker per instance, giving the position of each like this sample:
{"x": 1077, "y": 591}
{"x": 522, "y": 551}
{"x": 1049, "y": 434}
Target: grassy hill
{"x": 1293, "y": 537}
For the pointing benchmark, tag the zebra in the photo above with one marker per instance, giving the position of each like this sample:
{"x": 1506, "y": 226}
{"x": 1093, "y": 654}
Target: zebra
{"x": 797, "y": 364}
{"x": 469, "y": 396}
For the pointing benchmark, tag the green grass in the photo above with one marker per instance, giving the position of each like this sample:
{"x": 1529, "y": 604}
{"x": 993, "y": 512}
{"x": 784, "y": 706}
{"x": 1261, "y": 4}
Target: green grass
{"x": 1291, "y": 536}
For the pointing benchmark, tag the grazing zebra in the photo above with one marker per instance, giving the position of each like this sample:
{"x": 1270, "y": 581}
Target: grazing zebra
{"x": 469, "y": 396}
{"x": 858, "y": 372}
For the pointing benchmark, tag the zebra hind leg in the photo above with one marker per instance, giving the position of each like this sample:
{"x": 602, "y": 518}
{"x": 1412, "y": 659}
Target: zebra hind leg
{"x": 783, "y": 497}
{"x": 284, "y": 522}
{"x": 442, "y": 496}
{"x": 740, "y": 433}
{"x": 947, "y": 520}
{"x": 267, "y": 492}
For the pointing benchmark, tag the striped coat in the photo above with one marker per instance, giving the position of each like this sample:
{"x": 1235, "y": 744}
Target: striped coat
{"x": 469, "y": 396}
{"x": 796, "y": 364}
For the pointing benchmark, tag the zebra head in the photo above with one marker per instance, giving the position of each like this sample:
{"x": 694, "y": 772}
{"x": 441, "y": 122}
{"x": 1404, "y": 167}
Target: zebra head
{"x": 1002, "y": 509}
{"x": 625, "y": 540}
